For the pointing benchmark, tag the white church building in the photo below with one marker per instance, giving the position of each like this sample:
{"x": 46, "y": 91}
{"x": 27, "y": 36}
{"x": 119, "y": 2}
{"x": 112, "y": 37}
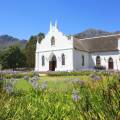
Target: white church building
{"x": 58, "y": 52}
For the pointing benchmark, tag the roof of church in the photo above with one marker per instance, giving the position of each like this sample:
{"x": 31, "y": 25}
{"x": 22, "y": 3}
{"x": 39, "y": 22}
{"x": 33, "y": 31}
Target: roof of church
{"x": 97, "y": 44}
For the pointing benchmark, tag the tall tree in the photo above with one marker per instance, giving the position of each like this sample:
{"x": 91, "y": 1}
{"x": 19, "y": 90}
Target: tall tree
{"x": 30, "y": 49}
{"x": 13, "y": 58}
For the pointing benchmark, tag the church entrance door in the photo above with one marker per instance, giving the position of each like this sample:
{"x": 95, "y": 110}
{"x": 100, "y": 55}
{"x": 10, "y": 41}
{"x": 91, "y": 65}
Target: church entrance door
{"x": 52, "y": 63}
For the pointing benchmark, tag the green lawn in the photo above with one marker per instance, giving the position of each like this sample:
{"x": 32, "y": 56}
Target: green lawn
{"x": 59, "y": 82}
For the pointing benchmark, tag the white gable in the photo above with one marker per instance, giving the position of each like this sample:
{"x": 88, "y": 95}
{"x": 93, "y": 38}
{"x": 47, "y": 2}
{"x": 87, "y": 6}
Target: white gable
{"x": 61, "y": 41}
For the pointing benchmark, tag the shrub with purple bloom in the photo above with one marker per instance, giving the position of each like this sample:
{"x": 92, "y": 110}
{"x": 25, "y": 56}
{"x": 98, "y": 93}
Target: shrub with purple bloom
{"x": 44, "y": 85}
{"x": 35, "y": 78}
{"x": 95, "y": 77}
{"x": 26, "y": 78}
{"x": 34, "y": 82}
{"x": 78, "y": 81}
{"x": 36, "y": 74}
{"x": 35, "y": 85}
{"x": 8, "y": 87}
{"x": 75, "y": 95}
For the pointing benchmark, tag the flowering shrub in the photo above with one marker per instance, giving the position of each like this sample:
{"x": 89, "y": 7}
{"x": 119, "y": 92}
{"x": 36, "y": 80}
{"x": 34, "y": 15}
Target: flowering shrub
{"x": 75, "y": 95}
{"x": 95, "y": 77}
{"x": 26, "y": 78}
{"x": 44, "y": 85}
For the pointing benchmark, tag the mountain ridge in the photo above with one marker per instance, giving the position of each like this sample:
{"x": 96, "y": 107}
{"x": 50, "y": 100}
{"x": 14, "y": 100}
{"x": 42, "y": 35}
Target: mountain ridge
{"x": 7, "y": 40}
{"x": 94, "y": 33}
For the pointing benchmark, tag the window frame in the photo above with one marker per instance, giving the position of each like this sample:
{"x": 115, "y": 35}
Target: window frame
{"x": 98, "y": 61}
{"x": 83, "y": 60}
{"x": 63, "y": 59}
{"x": 53, "y": 41}
{"x": 43, "y": 60}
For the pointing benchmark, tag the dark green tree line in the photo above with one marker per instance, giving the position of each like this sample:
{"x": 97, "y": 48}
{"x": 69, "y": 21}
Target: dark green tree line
{"x": 13, "y": 58}
{"x": 31, "y": 48}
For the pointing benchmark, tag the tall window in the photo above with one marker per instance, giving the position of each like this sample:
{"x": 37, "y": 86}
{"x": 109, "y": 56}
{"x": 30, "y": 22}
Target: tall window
{"x": 83, "y": 60}
{"x": 110, "y": 63}
{"x": 43, "y": 60}
{"x": 63, "y": 59}
{"x": 52, "y": 41}
{"x": 98, "y": 61}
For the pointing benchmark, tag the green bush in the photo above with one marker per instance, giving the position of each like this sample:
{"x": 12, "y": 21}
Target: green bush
{"x": 74, "y": 73}
{"x": 17, "y": 75}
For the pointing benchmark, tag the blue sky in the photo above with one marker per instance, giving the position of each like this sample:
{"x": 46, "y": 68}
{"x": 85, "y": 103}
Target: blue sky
{"x": 23, "y": 18}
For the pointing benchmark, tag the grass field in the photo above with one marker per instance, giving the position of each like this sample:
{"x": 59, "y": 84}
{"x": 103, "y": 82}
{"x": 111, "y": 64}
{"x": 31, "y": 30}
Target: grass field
{"x": 61, "y": 82}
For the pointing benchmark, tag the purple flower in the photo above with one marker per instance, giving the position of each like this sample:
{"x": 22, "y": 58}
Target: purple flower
{"x": 44, "y": 85}
{"x": 35, "y": 85}
{"x": 95, "y": 77}
{"x": 36, "y": 73}
{"x": 8, "y": 88}
{"x": 34, "y": 82}
{"x": 35, "y": 78}
{"x": 78, "y": 81}
{"x": 75, "y": 95}
{"x": 26, "y": 78}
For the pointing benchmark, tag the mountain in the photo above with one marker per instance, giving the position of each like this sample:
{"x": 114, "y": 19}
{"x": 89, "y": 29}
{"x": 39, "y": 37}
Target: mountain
{"x": 6, "y": 41}
{"x": 94, "y": 33}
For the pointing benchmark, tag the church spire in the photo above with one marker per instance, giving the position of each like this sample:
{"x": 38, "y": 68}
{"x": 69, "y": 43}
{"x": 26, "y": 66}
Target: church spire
{"x": 50, "y": 25}
{"x": 56, "y": 24}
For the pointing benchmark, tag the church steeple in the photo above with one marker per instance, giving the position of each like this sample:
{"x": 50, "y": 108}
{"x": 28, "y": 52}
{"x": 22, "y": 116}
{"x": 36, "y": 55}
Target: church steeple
{"x": 56, "y": 24}
{"x": 53, "y": 27}
{"x": 50, "y": 25}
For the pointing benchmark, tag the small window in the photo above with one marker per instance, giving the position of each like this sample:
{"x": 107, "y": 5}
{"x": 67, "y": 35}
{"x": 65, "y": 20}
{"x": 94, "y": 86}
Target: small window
{"x": 98, "y": 61}
{"x": 110, "y": 63}
{"x": 52, "y": 41}
{"x": 63, "y": 59}
{"x": 83, "y": 60}
{"x": 43, "y": 61}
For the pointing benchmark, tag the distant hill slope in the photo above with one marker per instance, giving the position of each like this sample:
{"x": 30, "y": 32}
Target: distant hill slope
{"x": 94, "y": 33}
{"x": 6, "y": 41}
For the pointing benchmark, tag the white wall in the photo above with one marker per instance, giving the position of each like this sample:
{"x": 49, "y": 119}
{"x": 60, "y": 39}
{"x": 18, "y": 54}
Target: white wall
{"x": 77, "y": 60}
{"x": 115, "y": 55}
{"x": 68, "y": 60}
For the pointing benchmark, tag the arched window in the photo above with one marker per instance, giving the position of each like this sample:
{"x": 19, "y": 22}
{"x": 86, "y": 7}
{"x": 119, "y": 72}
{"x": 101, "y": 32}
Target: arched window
{"x": 63, "y": 59}
{"x": 43, "y": 60}
{"x": 52, "y": 41}
{"x": 110, "y": 63}
{"x": 83, "y": 60}
{"x": 98, "y": 61}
